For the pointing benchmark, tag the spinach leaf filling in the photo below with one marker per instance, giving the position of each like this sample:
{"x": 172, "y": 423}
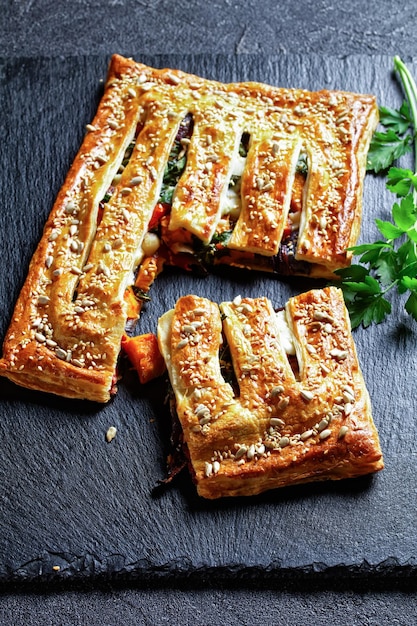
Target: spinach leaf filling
{"x": 177, "y": 160}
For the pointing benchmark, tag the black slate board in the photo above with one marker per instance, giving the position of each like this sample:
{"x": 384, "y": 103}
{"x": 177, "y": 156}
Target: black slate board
{"x": 71, "y": 500}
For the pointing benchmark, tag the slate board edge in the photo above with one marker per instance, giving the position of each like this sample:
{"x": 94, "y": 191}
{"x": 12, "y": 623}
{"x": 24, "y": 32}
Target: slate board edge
{"x": 86, "y": 572}
{"x": 87, "y": 568}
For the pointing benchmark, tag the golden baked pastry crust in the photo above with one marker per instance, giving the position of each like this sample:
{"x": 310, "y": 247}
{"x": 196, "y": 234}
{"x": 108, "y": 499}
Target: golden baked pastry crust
{"x": 69, "y": 319}
{"x": 285, "y": 426}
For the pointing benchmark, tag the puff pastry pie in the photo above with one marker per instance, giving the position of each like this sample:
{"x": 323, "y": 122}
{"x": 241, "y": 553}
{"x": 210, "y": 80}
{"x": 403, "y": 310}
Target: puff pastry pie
{"x": 281, "y": 422}
{"x": 182, "y": 170}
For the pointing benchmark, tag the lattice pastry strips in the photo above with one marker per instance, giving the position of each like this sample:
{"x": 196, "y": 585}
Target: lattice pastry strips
{"x": 177, "y": 167}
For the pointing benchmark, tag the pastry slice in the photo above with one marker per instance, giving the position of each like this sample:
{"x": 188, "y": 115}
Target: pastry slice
{"x": 182, "y": 170}
{"x": 296, "y": 408}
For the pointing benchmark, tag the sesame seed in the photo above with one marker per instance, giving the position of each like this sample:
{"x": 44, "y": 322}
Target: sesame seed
{"x": 284, "y": 442}
{"x": 90, "y": 127}
{"x": 43, "y": 300}
{"x": 40, "y": 337}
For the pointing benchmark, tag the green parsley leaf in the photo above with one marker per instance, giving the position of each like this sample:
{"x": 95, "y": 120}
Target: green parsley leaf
{"x": 404, "y": 213}
{"x": 407, "y": 253}
{"x": 385, "y": 148}
{"x": 369, "y": 247}
{"x": 352, "y": 273}
{"x": 386, "y": 268}
{"x": 368, "y": 310}
{"x": 390, "y": 263}
{"x": 389, "y": 230}
{"x": 369, "y": 286}
{"x": 370, "y": 252}
{"x": 411, "y": 305}
{"x": 398, "y": 120}
{"x": 409, "y": 272}
{"x": 410, "y": 283}
{"x": 400, "y": 180}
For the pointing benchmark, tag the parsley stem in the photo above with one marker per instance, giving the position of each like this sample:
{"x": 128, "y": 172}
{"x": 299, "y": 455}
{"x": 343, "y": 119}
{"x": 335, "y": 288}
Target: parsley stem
{"x": 410, "y": 89}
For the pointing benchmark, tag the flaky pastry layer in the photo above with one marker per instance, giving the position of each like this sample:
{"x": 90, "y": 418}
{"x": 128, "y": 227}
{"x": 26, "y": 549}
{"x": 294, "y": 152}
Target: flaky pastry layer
{"x": 284, "y": 425}
{"x": 69, "y": 319}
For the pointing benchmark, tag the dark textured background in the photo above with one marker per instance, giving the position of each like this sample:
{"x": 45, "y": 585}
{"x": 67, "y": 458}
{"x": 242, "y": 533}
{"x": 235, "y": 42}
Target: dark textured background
{"x": 70, "y": 499}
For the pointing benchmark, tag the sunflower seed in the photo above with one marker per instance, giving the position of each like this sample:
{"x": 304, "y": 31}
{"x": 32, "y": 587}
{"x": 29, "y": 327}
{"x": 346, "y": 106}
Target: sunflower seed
{"x": 111, "y": 434}
{"x": 325, "y": 434}
{"x": 342, "y": 432}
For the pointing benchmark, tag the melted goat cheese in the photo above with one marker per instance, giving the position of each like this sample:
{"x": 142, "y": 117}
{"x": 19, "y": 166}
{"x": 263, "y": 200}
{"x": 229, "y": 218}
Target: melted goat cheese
{"x": 285, "y": 333}
{"x": 231, "y": 201}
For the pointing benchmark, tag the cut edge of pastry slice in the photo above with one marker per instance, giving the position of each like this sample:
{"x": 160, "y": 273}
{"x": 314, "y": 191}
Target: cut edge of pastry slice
{"x": 278, "y": 423}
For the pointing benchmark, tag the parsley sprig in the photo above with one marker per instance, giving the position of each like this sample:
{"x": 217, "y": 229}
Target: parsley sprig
{"x": 390, "y": 263}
